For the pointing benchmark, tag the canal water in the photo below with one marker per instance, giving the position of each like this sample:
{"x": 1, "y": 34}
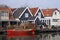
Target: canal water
{"x": 41, "y": 36}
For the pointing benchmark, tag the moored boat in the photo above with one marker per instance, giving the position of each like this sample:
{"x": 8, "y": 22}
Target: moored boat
{"x": 24, "y": 29}
{"x": 28, "y": 32}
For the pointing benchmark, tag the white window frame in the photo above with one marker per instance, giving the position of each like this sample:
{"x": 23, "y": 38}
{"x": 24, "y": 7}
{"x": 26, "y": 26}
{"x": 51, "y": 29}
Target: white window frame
{"x": 55, "y": 13}
{"x": 26, "y": 15}
{"x": 5, "y": 16}
{"x": 39, "y": 14}
{"x": 55, "y": 20}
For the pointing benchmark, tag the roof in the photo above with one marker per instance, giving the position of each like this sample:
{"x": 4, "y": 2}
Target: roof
{"x": 48, "y": 12}
{"x": 5, "y": 9}
{"x": 33, "y": 10}
{"x": 18, "y": 12}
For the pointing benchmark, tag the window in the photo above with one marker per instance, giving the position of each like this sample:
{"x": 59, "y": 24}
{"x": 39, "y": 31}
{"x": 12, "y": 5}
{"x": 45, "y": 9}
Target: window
{"x": 39, "y": 14}
{"x": 4, "y": 16}
{"x": 55, "y": 20}
{"x": 26, "y": 15}
{"x": 55, "y": 13}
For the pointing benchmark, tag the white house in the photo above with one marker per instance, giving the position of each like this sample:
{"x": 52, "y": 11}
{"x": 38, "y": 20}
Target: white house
{"x": 53, "y": 14}
{"x": 56, "y": 18}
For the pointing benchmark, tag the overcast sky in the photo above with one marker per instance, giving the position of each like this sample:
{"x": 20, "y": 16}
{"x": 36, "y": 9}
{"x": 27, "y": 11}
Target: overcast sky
{"x": 32, "y": 3}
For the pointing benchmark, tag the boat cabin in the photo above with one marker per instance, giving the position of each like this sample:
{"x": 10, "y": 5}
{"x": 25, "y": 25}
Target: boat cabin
{"x": 16, "y": 25}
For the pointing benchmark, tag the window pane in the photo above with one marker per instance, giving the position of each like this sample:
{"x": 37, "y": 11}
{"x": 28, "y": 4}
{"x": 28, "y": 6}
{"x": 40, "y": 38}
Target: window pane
{"x": 55, "y": 13}
{"x": 4, "y": 16}
{"x": 26, "y": 14}
{"x": 55, "y": 20}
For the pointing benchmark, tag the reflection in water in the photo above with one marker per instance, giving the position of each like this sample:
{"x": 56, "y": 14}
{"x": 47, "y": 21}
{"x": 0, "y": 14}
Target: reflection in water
{"x": 41, "y": 36}
{"x": 2, "y": 37}
{"x": 21, "y": 38}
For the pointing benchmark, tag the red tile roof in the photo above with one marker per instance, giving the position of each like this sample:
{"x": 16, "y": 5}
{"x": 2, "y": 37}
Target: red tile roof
{"x": 7, "y": 9}
{"x": 33, "y": 10}
{"x": 48, "y": 12}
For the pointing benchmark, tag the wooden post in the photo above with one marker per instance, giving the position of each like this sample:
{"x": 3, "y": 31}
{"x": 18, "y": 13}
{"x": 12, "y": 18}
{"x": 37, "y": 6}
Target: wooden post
{"x": 17, "y": 23}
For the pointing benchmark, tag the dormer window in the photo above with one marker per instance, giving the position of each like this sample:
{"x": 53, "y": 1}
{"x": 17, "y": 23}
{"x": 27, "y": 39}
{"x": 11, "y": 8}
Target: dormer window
{"x": 26, "y": 15}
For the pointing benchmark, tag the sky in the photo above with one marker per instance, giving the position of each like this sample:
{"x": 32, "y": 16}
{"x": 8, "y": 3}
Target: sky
{"x": 32, "y": 3}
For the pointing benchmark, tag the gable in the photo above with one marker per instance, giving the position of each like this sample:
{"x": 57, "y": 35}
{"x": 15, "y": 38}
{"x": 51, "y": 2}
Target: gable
{"x": 23, "y": 15}
{"x": 41, "y": 15}
{"x": 56, "y": 11}
{"x": 56, "y": 14}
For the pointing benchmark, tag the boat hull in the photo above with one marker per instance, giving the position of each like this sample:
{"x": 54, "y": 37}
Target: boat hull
{"x": 19, "y": 33}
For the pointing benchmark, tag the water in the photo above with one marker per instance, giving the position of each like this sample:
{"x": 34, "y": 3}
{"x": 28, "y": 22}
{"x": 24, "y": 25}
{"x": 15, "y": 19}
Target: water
{"x": 41, "y": 36}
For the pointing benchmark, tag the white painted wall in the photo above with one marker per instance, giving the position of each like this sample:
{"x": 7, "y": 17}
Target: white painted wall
{"x": 39, "y": 15}
{"x": 55, "y": 16}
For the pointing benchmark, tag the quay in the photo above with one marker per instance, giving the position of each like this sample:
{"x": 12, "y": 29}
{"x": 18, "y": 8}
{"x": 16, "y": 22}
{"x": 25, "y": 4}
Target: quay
{"x": 46, "y": 31}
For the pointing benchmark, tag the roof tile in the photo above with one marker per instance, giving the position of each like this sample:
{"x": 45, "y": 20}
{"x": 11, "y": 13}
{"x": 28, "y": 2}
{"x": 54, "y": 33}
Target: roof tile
{"x": 7, "y": 9}
{"x": 33, "y": 10}
{"x": 48, "y": 12}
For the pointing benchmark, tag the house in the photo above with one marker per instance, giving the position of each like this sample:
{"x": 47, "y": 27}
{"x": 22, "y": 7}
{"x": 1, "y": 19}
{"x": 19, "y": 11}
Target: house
{"x": 5, "y": 17}
{"x": 53, "y": 14}
{"x": 6, "y": 14}
{"x": 55, "y": 18}
{"x": 32, "y": 13}
{"x": 25, "y": 15}
{"x": 36, "y": 13}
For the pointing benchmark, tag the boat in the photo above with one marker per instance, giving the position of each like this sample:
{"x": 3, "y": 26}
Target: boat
{"x": 24, "y": 29}
{"x": 28, "y": 32}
